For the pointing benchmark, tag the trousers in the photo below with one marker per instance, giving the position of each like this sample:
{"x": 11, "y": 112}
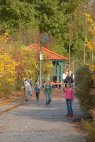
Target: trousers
{"x": 69, "y": 106}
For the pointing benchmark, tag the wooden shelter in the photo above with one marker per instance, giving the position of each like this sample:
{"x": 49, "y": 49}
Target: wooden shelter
{"x": 57, "y": 60}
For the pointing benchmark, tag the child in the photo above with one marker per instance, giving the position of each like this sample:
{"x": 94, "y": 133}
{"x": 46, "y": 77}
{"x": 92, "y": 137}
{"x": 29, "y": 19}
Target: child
{"x": 37, "y": 91}
{"x": 48, "y": 92}
{"x": 69, "y": 96}
{"x": 28, "y": 90}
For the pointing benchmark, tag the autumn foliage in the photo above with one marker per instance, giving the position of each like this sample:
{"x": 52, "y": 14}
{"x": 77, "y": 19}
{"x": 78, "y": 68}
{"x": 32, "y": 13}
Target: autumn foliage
{"x": 17, "y": 62}
{"x": 7, "y": 73}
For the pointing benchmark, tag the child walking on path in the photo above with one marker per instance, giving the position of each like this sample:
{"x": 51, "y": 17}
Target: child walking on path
{"x": 69, "y": 96}
{"x": 37, "y": 91}
{"x": 28, "y": 90}
{"x": 48, "y": 92}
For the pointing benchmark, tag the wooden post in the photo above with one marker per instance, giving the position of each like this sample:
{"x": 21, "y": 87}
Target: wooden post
{"x": 55, "y": 69}
{"x": 61, "y": 64}
{"x": 57, "y": 72}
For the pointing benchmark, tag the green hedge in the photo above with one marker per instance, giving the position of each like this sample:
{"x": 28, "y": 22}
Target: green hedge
{"x": 84, "y": 81}
{"x": 87, "y": 100}
{"x": 89, "y": 127}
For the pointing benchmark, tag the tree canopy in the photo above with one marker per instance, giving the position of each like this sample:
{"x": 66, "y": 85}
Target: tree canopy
{"x": 63, "y": 20}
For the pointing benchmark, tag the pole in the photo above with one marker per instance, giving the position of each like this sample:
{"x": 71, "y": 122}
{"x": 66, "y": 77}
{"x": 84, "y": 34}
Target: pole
{"x": 69, "y": 53}
{"x": 43, "y": 39}
{"x": 40, "y": 66}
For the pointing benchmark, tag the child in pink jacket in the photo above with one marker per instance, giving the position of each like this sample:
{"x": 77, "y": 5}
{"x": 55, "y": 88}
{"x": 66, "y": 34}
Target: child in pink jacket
{"x": 69, "y": 96}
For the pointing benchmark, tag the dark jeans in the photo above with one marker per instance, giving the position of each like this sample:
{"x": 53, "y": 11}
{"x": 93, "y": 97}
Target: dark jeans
{"x": 69, "y": 106}
{"x": 37, "y": 95}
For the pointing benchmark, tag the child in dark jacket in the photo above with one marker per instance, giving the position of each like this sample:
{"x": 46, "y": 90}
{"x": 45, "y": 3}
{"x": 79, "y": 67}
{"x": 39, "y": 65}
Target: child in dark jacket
{"x": 37, "y": 91}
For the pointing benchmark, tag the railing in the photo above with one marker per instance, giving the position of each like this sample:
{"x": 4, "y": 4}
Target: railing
{"x": 57, "y": 84}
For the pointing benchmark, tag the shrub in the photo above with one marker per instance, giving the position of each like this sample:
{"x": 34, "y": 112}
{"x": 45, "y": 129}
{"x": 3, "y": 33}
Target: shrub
{"x": 29, "y": 65}
{"x": 7, "y": 73}
{"x": 84, "y": 80}
{"x": 90, "y": 129}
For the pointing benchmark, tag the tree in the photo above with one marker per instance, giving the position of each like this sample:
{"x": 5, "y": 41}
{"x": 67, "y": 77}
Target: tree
{"x": 7, "y": 73}
{"x": 15, "y": 14}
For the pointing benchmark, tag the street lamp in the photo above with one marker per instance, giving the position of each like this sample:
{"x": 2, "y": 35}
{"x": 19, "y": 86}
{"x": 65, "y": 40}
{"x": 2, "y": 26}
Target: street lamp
{"x": 43, "y": 39}
{"x": 41, "y": 58}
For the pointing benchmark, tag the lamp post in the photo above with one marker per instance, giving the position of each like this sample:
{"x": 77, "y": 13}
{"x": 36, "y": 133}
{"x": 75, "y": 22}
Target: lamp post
{"x": 43, "y": 39}
{"x": 41, "y": 58}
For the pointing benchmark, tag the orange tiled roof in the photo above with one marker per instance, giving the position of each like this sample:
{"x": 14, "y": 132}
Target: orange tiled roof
{"x": 50, "y": 54}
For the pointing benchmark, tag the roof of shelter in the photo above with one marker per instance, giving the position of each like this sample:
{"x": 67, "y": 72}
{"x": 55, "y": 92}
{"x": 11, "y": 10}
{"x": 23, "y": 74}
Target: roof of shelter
{"x": 50, "y": 55}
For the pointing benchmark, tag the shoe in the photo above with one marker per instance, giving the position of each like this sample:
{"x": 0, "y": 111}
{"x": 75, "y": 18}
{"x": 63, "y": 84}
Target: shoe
{"x": 71, "y": 115}
{"x": 49, "y": 101}
{"x": 46, "y": 104}
{"x": 67, "y": 115}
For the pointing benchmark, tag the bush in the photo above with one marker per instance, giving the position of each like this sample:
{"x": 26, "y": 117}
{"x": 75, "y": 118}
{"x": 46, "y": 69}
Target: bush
{"x": 18, "y": 85}
{"x": 90, "y": 129}
{"x": 84, "y": 80}
{"x": 7, "y": 74}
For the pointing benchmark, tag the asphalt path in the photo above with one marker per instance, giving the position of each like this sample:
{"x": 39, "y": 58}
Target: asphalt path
{"x": 35, "y": 122}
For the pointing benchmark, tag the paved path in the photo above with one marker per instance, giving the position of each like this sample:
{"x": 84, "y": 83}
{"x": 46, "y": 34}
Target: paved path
{"x": 35, "y": 122}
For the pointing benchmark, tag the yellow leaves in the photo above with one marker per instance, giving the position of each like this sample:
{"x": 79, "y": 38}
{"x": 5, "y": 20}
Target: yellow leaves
{"x": 47, "y": 68}
{"x": 92, "y": 67}
{"x": 90, "y": 45}
{"x": 29, "y": 63}
{"x": 3, "y": 38}
{"x": 6, "y": 35}
{"x": 88, "y": 17}
{"x": 7, "y": 73}
{"x": 92, "y": 31}
{"x": 92, "y": 70}
{"x": 7, "y": 67}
